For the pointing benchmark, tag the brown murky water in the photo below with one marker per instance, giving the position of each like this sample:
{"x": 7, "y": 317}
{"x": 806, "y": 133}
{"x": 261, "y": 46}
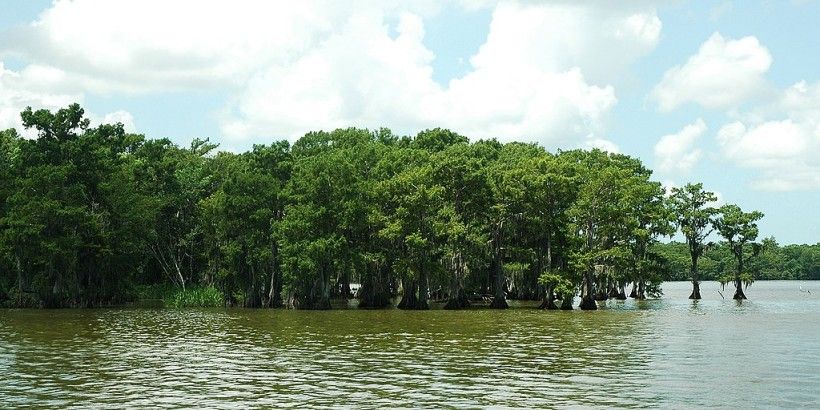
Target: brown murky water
{"x": 669, "y": 352}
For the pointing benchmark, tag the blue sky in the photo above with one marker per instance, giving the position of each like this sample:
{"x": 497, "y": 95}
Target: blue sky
{"x": 723, "y": 92}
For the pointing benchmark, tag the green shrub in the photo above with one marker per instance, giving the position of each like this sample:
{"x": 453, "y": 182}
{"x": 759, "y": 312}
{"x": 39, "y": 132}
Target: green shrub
{"x": 195, "y": 297}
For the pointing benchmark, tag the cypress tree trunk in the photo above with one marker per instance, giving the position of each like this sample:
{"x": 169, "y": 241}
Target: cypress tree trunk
{"x": 374, "y": 293}
{"x": 641, "y": 295}
{"x": 275, "y": 291}
{"x": 739, "y": 295}
{"x": 695, "y": 282}
{"x": 457, "y": 299}
{"x": 695, "y": 290}
{"x": 344, "y": 283}
{"x": 409, "y": 300}
{"x": 497, "y": 270}
{"x": 613, "y": 290}
{"x": 424, "y": 290}
{"x": 252, "y": 295}
{"x": 621, "y": 291}
{"x": 53, "y": 297}
{"x": 499, "y": 297}
{"x": 20, "y": 285}
{"x": 602, "y": 287}
{"x": 587, "y": 296}
{"x": 322, "y": 300}
{"x": 549, "y": 300}
{"x": 566, "y": 302}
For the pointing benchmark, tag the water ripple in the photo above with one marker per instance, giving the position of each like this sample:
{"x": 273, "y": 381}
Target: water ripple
{"x": 663, "y": 353}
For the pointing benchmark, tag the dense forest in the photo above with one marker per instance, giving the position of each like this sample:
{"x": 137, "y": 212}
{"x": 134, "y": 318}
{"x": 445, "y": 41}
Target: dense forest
{"x": 776, "y": 262}
{"x": 93, "y": 216}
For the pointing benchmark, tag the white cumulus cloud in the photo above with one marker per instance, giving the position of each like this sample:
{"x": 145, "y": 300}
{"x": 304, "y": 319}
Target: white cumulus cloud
{"x": 602, "y": 144}
{"x": 123, "y": 117}
{"x": 21, "y": 89}
{"x": 547, "y": 72}
{"x": 722, "y": 74}
{"x": 30, "y": 88}
{"x": 526, "y": 83}
{"x": 780, "y": 145}
{"x": 678, "y": 151}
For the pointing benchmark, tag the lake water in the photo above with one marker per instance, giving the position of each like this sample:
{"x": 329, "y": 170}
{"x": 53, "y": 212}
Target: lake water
{"x": 669, "y": 352}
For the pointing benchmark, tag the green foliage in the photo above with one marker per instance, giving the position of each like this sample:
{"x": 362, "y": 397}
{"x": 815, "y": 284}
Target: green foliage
{"x": 560, "y": 285}
{"x": 195, "y": 297}
{"x": 154, "y": 291}
{"x": 739, "y": 229}
{"x": 694, "y": 215}
{"x": 774, "y": 262}
{"x": 93, "y": 216}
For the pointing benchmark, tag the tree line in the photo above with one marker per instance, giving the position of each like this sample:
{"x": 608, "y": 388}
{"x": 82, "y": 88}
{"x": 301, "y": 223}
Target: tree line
{"x": 89, "y": 215}
{"x": 776, "y": 262}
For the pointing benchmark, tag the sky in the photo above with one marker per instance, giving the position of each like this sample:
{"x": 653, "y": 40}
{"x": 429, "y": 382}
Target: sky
{"x": 721, "y": 92}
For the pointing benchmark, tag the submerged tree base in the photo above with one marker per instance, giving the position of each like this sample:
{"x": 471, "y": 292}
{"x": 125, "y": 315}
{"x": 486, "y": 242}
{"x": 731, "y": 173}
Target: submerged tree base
{"x": 588, "y": 303}
{"x": 549, "y": 303}
{"x": 458, "y": 301}
{"x": 373, "y": 297}
{"x": 377, "y": 302}
{"x": 621, "y": 294}
{"x": 320, "y": 305}
{"x": 415, "y": 306}
{"x": 499, "y": 303}
{"x": 412, "y": 302}
{"x": 695, "y": 291}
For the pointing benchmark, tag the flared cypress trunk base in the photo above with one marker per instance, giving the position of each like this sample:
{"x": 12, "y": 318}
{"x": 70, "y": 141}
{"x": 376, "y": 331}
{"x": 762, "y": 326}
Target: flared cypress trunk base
{"x": 621, "y": 293}
{"x": 457, "y": 301}
{"x": 379, "y": 301}
{"x": 414, "y": 305}
{"x": 321, "y": 304}
{"x": 613, "y": 292}
{"x": 588, "y": 303}
{"x": 373, "y": 296}
{"x": 695, "y": 291}
{"x": 739, "y": 295}
{"x": 548, "y": 304}
{"x": 407, "y": 302}
{"x": 276, "y": 302}
{"x": 499, "y": 303}
{"x": 410, "y": 301}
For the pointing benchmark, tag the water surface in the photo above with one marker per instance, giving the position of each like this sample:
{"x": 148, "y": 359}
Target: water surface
{"x": 670, "y": 352}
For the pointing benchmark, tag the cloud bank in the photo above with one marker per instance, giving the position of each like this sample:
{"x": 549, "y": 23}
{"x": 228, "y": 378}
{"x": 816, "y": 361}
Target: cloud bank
{"x": 545, "y": 73}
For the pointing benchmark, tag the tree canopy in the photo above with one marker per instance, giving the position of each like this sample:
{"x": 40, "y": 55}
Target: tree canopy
{"x": 92, "y": 216}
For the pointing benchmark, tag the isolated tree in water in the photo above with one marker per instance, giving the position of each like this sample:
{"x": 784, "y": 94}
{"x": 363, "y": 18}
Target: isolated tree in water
{"x": 740, "y": 230}
{"x": 694, "y": 219}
